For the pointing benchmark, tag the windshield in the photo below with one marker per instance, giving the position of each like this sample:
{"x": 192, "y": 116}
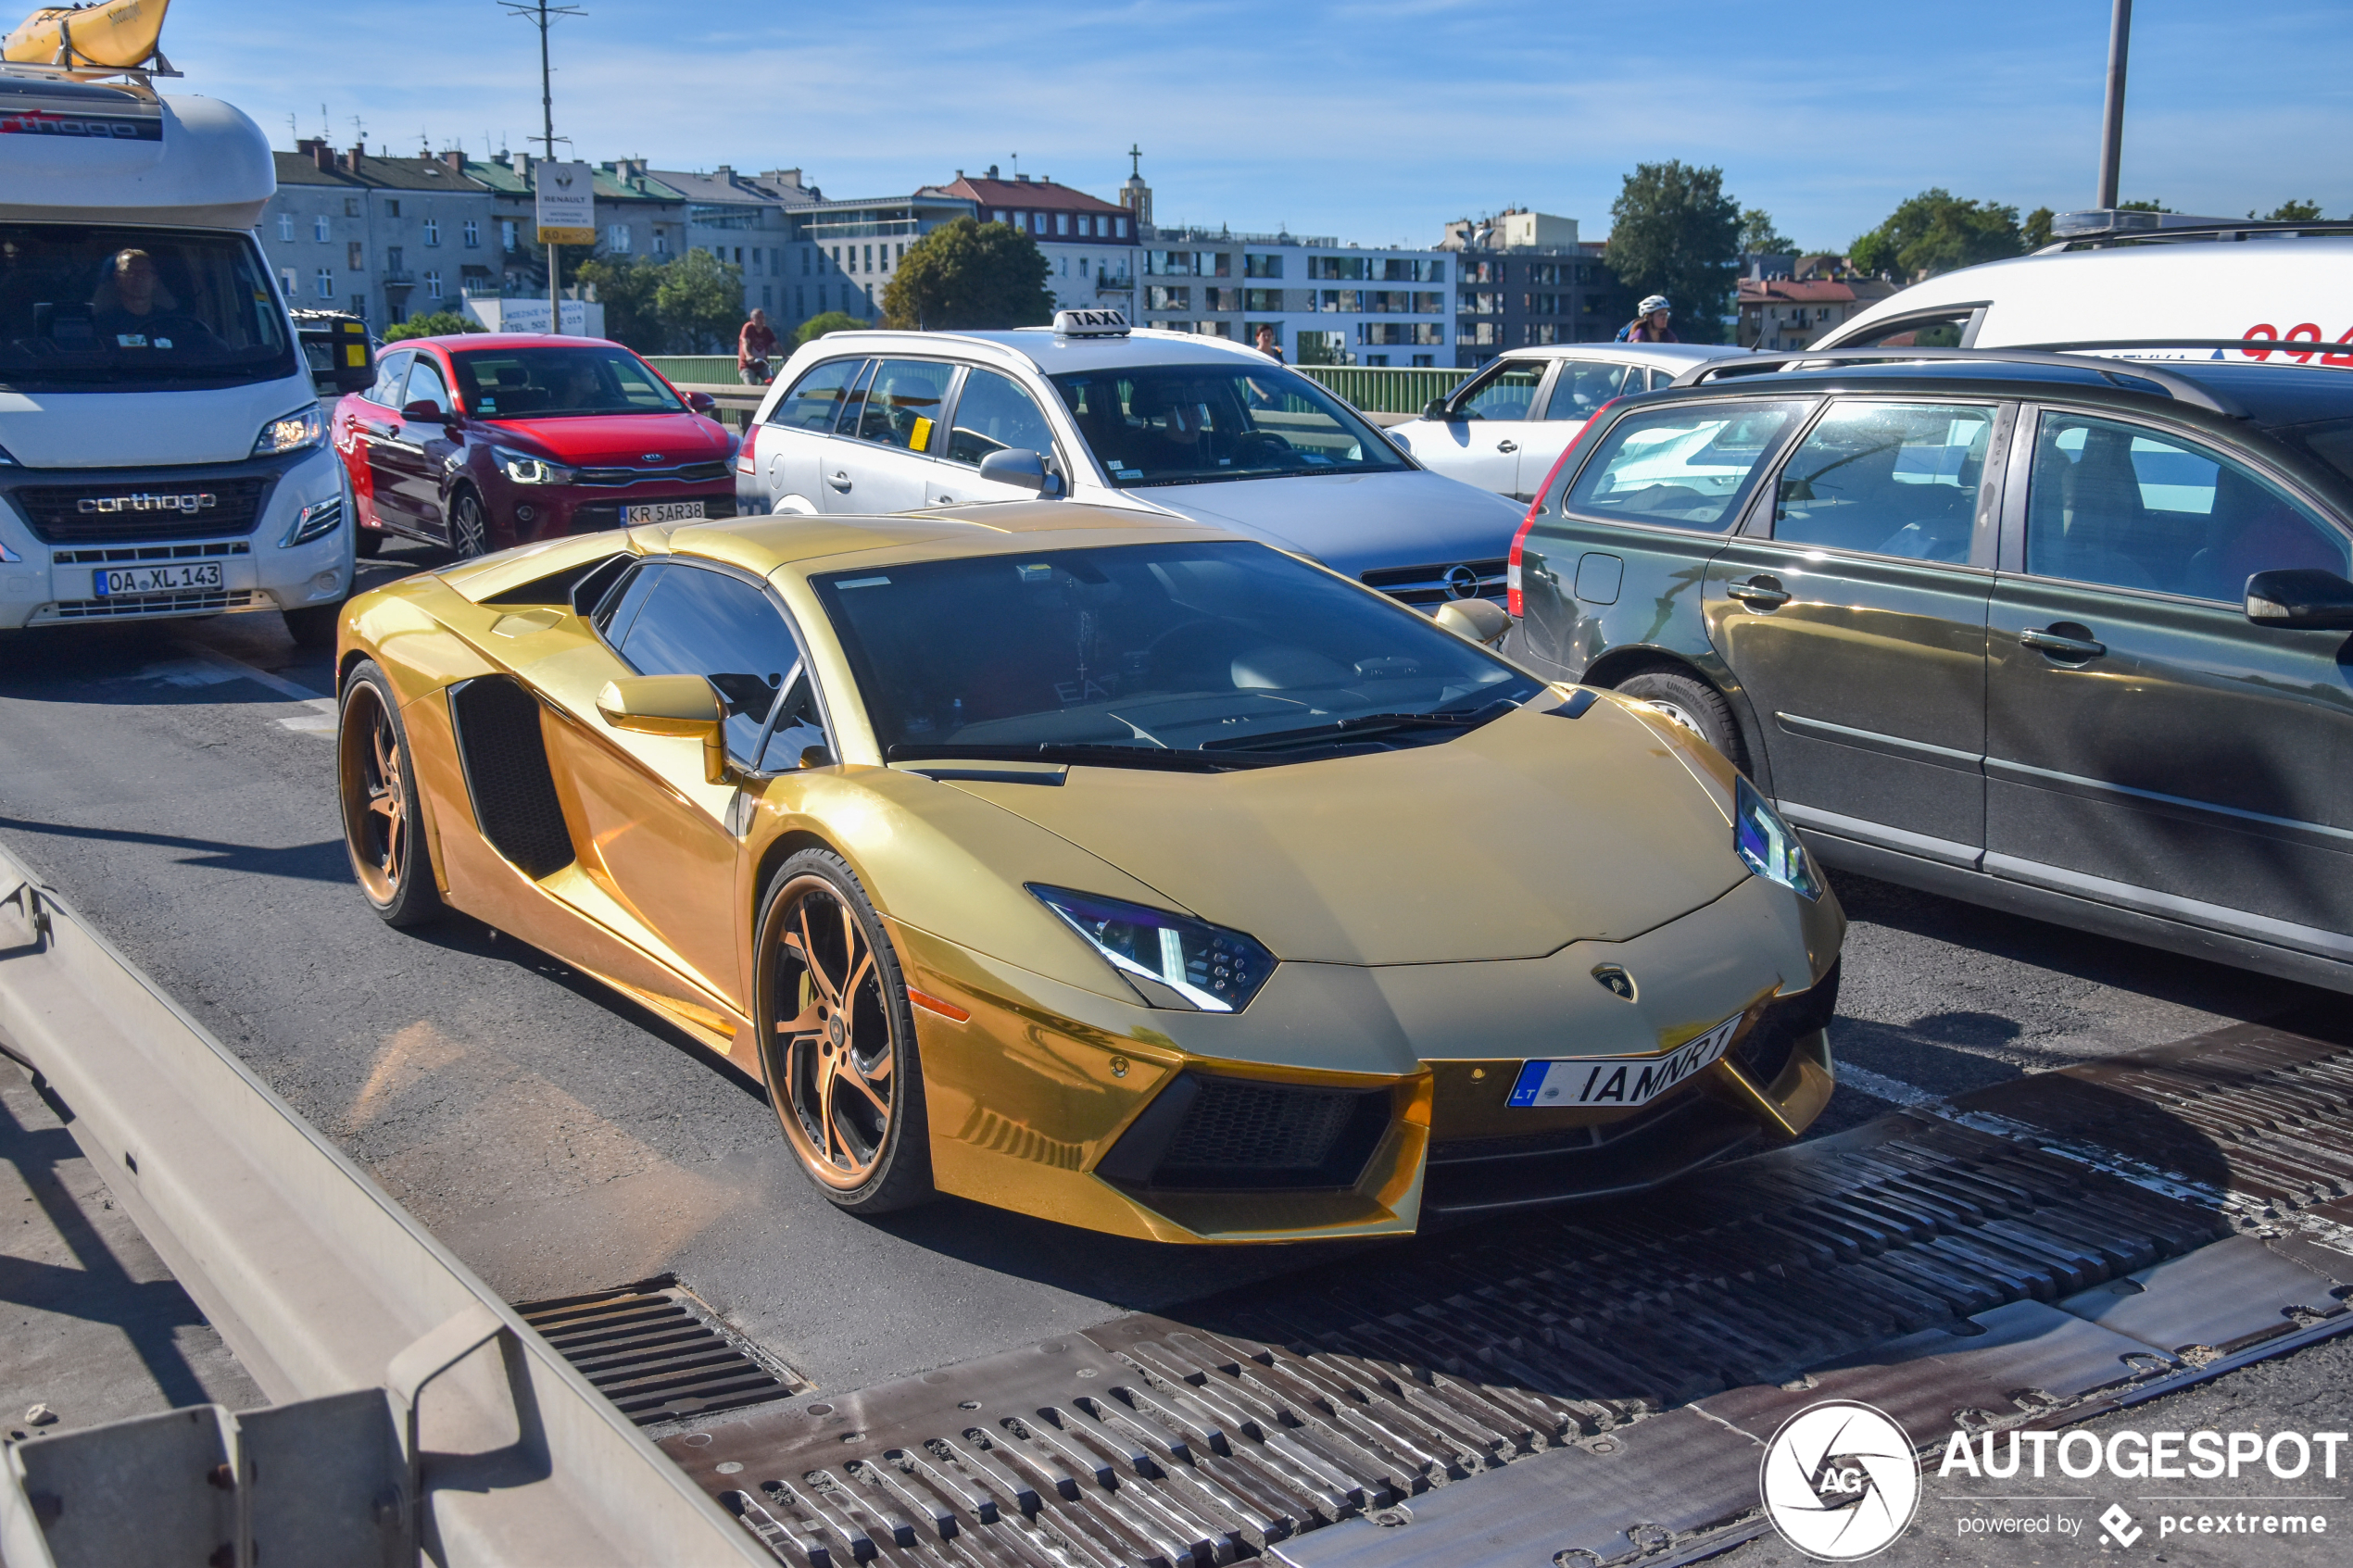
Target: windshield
{"x": 135, "y": 309}
{"x": 552, "y": 383}
{"x": 1222, "y": 654}
{"x": 1185, "y": 424}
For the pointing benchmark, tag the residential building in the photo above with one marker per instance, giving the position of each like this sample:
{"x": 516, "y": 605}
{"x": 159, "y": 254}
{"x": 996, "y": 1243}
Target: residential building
{"x": 1525, "y": 278}
{"x": 385, "y": 238}
{"x": 1090, "y": 244}
{"x": 747, "y": 220}
{"x": 1788, "y": 302}
{"x": 637, "y": 214}
{"x": 845, "y": 252}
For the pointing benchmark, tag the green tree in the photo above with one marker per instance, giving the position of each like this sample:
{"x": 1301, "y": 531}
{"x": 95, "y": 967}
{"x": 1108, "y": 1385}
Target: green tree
{"x": 967, "y": 274}
{"x": 1674, "y": 231}
{"x": 1759, "y": 237}
{"x": 831, "y": 322}
{"x": 440, "y": 323}
{"x": 2142, "y": 207}
{"x": 2293, "y": 212}
{"x": 627, "y": 290}
{"x": 2036, "y": 233}
{"x": 1937, "y": 231}
{"x": 700, "y": 301}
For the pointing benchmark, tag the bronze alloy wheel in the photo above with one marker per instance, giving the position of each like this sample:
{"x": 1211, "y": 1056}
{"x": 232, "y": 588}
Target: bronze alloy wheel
{"x": 837, "y": 1038}
{"x": 379, "y": 826}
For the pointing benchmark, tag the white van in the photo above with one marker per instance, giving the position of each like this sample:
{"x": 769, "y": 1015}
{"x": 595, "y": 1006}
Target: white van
{"x": 163, "y": 452}
{"x": 2193, "y": 286}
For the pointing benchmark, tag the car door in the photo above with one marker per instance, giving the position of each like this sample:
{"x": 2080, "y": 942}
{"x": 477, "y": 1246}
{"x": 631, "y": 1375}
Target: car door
{"x": 1490, "y": 420}
{"x": 2149, "y": 745}
{"x": 884, "y": 450}
{"x": 993, "y": 413}
{"x": 375, "y": 423}
{"x": 664, "y": 841}
{"x": 800, "y": 430}
{"x": 426, "y": 450}
{"x": 1856, "y": 624}
{"x": 1579, "y": 388}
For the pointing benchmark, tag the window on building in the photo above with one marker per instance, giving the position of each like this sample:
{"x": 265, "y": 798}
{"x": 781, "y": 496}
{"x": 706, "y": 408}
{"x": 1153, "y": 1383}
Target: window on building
{"x": 505, "y": 233}
{"x": 433, "y": 285}
{"x": 356, "y": 256}
{"x": 1425, "y": 361}
{"x": 351, "y": 207}
{"x": 997, "y": 216}
{"x": 902, "y": 250}
{"x": 837, "y": 257}
{"x": 326, "y": 283}
{"x": 799, "y": 304}
{"x": 661, "y": 241}
{"x": 1159, "y": 297}
{"x": 1263, "y": 299}
{"x": 1261, "y": 265}
{"x": 1119, "y": 228}
{"x": 392, "y": 208}
{"x": 473, "y": 234}
{"x": 286, "y": 225}
{"x": 319, "y": 229}
{"x": 286, "y": 281}
{"x": 432, "y": 231}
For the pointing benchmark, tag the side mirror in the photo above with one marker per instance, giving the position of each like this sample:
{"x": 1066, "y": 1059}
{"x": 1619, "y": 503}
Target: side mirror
{"x": 424, "y": 411}
{"x": 1436, "y": 408}
{"x": 1481, "y": 621}
{"x": 671, "y": 704}
{"x": 2304, "y": 599}
{"x": 1020, "y": 466}
{"x": 702, "y": 402}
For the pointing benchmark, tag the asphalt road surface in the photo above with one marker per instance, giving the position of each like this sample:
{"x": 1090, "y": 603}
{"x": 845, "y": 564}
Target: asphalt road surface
{"x": 175, "y": 783}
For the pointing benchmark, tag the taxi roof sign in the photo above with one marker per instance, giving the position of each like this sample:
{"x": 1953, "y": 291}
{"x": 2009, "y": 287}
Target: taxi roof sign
{"x": 1089, "y": 323}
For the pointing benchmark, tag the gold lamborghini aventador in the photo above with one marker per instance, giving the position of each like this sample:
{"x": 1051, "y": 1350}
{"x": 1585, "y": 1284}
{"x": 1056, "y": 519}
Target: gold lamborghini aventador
{"x": 1135, "y": 875}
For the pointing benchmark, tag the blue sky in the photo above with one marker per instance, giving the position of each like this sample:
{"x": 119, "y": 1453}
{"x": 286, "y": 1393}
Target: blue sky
{"x": 1374, "y": 121}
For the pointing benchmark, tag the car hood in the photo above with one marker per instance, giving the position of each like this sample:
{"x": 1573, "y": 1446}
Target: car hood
{"x": 1354, "y": 522}
{"x": 1512, "y": 841}
{"x": 619, "y": 440}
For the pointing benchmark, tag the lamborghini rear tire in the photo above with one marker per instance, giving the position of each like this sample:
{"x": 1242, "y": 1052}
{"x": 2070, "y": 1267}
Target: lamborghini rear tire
{"x": 837, "y": 1038}
{"x": 377, "y": 781}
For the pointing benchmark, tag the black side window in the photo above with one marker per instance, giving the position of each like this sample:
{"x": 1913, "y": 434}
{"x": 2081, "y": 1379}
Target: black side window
{"x": 695, "y": 622}
{"x": 392, "y": 373}
{"x": 814, "y": 401}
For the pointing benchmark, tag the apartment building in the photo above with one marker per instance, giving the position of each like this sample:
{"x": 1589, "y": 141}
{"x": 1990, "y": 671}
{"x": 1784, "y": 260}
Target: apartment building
{"x": 1090, "y": 244}
{"x": 1525, "y": 278}
{"x": 385, "y": 238}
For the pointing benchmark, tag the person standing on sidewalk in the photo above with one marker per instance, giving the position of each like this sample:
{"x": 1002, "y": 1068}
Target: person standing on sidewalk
{"x": 753, "y": 346}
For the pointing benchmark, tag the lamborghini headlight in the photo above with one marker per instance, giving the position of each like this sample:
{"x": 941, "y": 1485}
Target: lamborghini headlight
{"x": 1183, "y": 961}
{"x": 1771, "y": 850}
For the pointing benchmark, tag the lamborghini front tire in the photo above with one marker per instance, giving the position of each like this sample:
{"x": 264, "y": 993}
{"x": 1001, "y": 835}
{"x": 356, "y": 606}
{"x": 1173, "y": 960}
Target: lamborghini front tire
{"x": 377, "y": 781}
{"x": 837, "y": 1038}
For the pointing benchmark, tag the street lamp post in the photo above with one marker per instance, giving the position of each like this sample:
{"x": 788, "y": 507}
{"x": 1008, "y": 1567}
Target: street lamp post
{"x": 544, "y": 16}
{"x": 2119, "y": 34}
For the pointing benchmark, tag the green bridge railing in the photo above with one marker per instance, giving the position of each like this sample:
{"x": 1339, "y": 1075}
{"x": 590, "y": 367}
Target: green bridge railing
{"x": 1375, "y": 389}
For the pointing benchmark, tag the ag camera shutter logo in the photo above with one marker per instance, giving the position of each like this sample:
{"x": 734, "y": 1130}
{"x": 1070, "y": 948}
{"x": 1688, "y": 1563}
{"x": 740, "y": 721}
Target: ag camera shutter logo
{"x": 1839, "y": 1481}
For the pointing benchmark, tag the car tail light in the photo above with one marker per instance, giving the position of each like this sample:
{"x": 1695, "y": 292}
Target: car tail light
{"x": 747, "y": 454}
{"x": 1513, "y": 601}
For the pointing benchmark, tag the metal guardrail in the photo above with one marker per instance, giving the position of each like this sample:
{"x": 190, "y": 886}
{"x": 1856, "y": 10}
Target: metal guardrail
{"x": 415, "y": 1413}
{"x": 704, "y": 370}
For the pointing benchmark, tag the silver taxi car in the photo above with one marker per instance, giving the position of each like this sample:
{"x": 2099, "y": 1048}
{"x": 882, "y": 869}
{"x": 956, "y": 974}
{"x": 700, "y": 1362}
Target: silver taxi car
{"x": 1090, "y": 409}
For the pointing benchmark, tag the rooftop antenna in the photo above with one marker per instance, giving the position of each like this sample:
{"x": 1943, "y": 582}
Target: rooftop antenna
{"x": 543, "y": 15}
{"x": 326, "y": 126}
{"x": 294, "y": 130}
{"x": 361, "y": 132}
{"x": 1016, "y": 165}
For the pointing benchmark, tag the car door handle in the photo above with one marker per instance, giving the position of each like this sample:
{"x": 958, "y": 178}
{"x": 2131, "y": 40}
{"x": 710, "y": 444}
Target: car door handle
{"x": 839, "y": 482}
{"x": 1507, "y": 445}
{"x": 2058, "y": 645}
{"x": 1760, "y": 592}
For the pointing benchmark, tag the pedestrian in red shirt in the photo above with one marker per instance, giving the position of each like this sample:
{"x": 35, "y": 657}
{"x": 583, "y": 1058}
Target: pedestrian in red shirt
{"x": 753, "y": 346}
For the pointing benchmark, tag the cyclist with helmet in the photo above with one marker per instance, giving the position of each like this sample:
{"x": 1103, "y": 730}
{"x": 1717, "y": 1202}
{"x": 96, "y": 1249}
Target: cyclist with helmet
{"x": 1649, "y": 324}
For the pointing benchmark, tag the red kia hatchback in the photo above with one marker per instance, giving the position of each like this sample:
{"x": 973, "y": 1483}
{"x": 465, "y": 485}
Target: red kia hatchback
{"x": 490, "y": 440}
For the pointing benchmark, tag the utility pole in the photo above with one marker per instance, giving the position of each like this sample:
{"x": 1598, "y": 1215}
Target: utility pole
{"x": 543, "y": 15}
{"x": 2119, "y": 37}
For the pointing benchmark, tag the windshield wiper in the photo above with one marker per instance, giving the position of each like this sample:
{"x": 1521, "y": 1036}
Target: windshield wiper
{"x": 1083, "y": 753}
{"x": 1366, "y": 725}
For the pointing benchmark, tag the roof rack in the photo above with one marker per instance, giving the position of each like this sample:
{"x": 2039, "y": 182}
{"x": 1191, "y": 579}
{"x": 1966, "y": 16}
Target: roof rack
{"x": 2102, "y": 227}
{"x": 2300, "y": 348}
{"x": 2180, "y": 388}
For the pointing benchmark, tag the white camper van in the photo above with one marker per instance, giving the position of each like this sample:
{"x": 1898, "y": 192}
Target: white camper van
{"x": 162, "y": 451}
{"x": 2181, "y": 290}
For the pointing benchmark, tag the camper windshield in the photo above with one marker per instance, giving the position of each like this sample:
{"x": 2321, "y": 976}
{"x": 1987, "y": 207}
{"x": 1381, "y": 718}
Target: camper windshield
{"x": 83, "y": 305}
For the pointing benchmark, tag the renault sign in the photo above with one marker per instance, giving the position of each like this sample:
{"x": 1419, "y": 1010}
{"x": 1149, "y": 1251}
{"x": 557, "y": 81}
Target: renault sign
{"x": 567, "y": 205}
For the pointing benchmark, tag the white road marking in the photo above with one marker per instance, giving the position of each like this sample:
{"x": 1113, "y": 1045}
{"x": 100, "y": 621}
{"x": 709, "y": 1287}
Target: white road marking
{"x": 203, "y": 667}
{"x": 1893, "y": 1090}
